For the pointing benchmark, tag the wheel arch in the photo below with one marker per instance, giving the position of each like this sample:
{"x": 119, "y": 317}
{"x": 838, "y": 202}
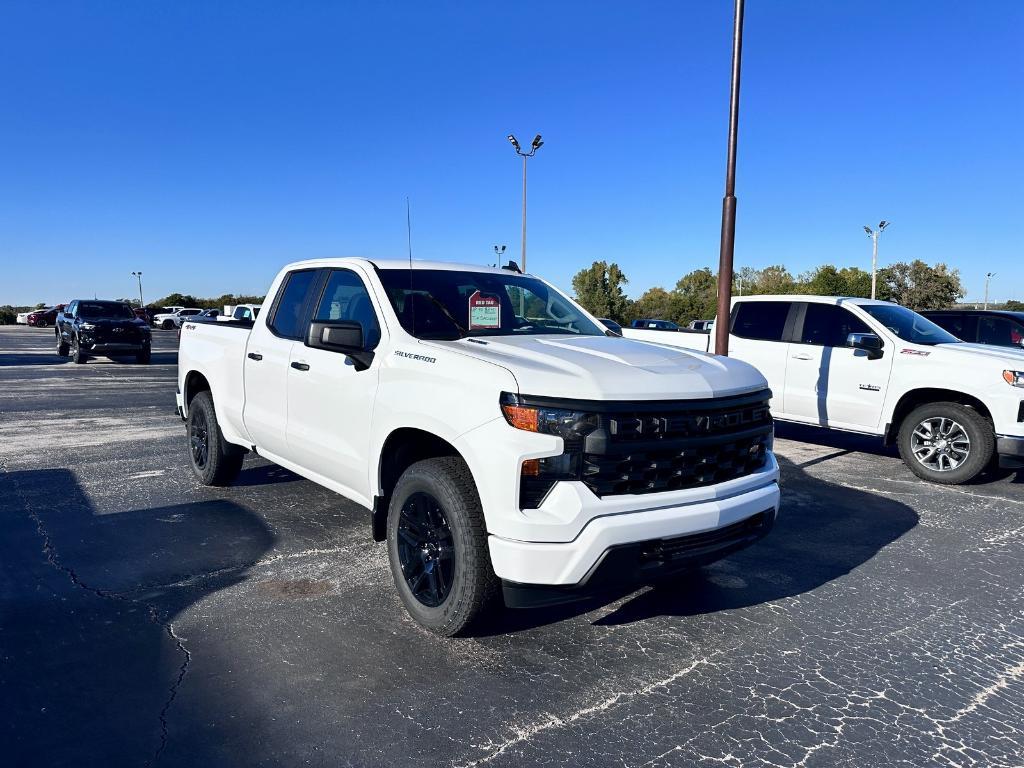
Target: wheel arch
{"x": 403, "y": 447}
{"x": 916, "y": 397}
{"x": 195, "y": 382}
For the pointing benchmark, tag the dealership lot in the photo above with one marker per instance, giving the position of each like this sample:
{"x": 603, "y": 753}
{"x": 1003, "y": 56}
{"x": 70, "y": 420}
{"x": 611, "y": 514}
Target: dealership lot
{"x": 147, "y": 619}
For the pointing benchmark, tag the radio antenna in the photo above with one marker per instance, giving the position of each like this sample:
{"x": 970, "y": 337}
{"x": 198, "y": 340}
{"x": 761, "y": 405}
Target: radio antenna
{"x": 408, "y": 232}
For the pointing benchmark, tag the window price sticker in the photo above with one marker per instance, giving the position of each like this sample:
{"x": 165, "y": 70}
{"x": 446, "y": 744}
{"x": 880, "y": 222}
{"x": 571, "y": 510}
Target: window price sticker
{"x": 484, "y": 312}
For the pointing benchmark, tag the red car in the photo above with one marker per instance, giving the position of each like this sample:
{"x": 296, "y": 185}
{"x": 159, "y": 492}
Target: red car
{"x": 43, "y": 318}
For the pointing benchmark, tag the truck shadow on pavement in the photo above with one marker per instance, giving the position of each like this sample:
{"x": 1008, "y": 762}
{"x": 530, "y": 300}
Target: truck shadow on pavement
{"x": 90, "y": 661}
{"x": 824, "y": 531}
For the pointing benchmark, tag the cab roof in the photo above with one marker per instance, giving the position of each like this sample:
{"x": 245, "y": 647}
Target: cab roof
{"x": 416, "y": 264}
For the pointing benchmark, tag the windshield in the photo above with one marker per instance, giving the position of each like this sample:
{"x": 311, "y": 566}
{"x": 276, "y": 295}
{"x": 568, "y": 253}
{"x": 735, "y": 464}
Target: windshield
{"x": 450, "y": 304}
{"x": 94, "y": 310}
{"x": 909, "y": 325}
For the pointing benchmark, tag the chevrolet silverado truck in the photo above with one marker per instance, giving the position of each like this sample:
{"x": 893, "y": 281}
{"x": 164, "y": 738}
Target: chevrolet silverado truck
{"x": 505, "y": 444}
{"x": 877, "y": 368}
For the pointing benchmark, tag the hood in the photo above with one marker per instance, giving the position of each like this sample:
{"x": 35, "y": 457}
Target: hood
{"x": 965, "y": 352}
{"x": 610, "y": 368}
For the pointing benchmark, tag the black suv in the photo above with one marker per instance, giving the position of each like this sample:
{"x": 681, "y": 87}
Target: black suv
{"x": 982, "y": 326}
{"x": 107, "y": 328}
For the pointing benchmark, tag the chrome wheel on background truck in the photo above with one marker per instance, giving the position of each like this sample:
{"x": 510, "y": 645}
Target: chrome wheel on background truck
{"x": 946, "y": 442}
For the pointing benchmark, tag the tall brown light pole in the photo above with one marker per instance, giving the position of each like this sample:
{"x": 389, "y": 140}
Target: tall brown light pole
{"x": 729, "y": 201}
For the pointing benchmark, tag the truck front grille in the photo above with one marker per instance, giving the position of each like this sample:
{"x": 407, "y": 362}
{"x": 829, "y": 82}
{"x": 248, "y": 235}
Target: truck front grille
{"x": 668, "y": 447}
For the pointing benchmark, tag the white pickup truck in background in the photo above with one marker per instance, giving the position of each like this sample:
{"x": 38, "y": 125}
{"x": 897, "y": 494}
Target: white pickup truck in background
{"x": 504, "y": 441}
{"x": 881, "y": 369}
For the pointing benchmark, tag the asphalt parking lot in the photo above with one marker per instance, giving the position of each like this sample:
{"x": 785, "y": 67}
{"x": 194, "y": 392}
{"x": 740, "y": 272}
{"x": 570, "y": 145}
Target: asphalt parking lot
{"x": 148, "y": 620}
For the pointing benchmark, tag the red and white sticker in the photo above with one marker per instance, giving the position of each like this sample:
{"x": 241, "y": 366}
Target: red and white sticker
{"x": 484, "y": 311}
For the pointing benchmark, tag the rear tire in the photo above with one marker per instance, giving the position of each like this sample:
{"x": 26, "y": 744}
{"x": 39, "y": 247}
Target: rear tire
{"x": 214, "y": 461}
{"x": 437, "y": 546}
{"x": 946, "y": 443}
{"x": 77, "y": 355}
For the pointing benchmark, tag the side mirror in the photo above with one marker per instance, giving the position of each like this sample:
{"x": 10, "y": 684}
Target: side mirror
{"x": 344, "y": 336}
{"x": 869, "y": 342}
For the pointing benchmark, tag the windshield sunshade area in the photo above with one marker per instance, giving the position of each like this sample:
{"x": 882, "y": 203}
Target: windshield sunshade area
{"x": 104, "y": 310}
{"x": 909, "y": 325}
{"x": 451, "y": 304}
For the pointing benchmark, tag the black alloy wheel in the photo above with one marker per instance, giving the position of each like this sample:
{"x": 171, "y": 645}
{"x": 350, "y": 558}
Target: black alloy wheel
{"x": 426, "y": 549}
{"x": 199, "y": 440}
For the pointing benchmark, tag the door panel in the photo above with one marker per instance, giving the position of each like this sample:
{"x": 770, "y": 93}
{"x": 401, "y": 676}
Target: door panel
{"x": 330, "y": 403}
{"x": 758, "y": 336}
{"x": 828, "y": 383}
{"x": 268, "y": 355}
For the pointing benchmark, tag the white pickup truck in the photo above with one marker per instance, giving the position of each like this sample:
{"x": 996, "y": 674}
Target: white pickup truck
{"x": 505, "y": 443}
{"x": 881, "y": 369}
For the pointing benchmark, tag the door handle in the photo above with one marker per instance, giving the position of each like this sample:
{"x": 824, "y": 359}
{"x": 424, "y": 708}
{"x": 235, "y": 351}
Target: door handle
{"x": 255, "y": 356}
{"x": 802, "y": 356}
{"x": 300, "y": 366}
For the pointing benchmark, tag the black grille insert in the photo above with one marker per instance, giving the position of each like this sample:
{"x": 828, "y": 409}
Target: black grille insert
{"x": 694, "y": 544}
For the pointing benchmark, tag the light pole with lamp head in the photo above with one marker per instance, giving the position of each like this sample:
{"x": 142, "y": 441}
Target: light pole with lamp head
{"x": 499, "y": 252}
{"x": 138, "y": 276}
{"x": 873, "y": 234}
{"x": 537, "y": 144}
{"x": 988, "y": 277}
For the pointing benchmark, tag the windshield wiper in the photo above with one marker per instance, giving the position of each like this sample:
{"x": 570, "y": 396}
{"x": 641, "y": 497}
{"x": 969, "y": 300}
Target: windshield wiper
{"x": 463, "y": 333}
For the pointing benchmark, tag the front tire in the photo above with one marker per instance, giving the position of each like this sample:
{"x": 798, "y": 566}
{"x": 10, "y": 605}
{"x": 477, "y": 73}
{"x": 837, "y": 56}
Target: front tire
{"x": 62, "y": 348}
{"x": 144, "y": 355}
{"x": 946, "y": 443}
{"x": 77, "y": 355}
{"x": 167, "y": 325}
{"x": 437, "y": 546}
{"x": 213, "y": 459}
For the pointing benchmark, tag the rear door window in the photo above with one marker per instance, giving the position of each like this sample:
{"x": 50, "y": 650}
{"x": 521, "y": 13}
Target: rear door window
{"x": 1000, "y": 331}
{"x": 288, "y": 319}
{"x": 827, "y": 325}
{"x": 761, "y": 320}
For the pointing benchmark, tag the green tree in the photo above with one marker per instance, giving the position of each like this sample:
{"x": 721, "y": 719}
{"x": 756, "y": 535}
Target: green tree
{"x": 775, "y": 279}
{"x": 1014, "y": 306}
{"x": 919, "y": 286}
{"x": 823, "y": 281}
{"x": 599, "y": 290}
{"x": 858, "y": 282}
{"x": 695, "y": 296}
{"x": 656, "y": 303}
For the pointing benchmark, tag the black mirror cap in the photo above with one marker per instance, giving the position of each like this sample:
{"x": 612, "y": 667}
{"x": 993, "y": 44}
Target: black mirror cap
{"x": 869, "y": 342}
{"x": 338, "y": 336}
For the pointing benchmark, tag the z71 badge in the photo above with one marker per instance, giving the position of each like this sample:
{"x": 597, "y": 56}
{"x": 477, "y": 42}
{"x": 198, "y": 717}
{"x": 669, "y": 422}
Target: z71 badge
{"x": 918, "y": 352}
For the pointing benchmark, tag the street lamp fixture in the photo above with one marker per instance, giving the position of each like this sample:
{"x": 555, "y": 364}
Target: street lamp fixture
{"x": 138, "y": 276}
{"x": 988, "y": 278}
{"x": 534, "y": 146}
{"x": 873, "y": 234}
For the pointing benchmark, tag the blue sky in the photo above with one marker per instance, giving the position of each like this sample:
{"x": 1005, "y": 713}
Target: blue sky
{"x": 208, "y": 143}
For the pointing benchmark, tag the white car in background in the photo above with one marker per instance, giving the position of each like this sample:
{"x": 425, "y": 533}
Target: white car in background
{"x": 246, "y": 313}
{"x": 22, "y": 318}
{"x": 171, "y": 320}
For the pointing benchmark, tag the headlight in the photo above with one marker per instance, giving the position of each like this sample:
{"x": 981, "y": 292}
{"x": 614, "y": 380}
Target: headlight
{"x": 1014, "y": 378}
{"x": 566, "y": 424}
{"x": 87, "y": 327}
{"x": 538, "y": 476}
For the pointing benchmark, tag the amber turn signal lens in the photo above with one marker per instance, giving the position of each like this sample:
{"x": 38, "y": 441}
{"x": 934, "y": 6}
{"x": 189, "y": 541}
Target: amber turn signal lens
{"x": 521, "y": 417}
{"x": 531, "y": 468}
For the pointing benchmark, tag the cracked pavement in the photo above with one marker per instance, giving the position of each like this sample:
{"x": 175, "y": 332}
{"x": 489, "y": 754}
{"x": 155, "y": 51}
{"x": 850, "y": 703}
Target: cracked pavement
{"x": 147, "y": 620}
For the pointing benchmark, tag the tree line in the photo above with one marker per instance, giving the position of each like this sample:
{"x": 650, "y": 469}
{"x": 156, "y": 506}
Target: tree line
{"x": 917, "y": 285}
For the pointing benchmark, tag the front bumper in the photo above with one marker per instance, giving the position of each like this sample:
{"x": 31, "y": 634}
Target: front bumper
{"x": 1011, "y": 451}
{"x": 113, "y": 348}
{"x": 574, "y": 564}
